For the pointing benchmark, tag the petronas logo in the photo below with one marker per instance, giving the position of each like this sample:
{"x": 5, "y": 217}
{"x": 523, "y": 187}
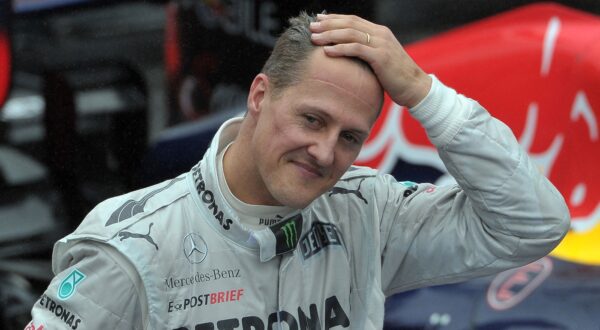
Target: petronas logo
{"x": 69, "y": 284}
{"x": 289, "y": 230}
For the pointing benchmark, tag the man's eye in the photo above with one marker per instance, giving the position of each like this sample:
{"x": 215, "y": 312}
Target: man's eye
{"x": 312, "y": 121}
{"x": 349, "y": 138}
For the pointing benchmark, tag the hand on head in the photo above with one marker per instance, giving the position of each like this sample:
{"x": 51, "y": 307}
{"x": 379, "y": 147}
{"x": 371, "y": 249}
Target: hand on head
{"x": 347, "y": 35}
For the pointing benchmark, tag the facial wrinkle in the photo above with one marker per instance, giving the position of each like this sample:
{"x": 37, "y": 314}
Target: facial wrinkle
{"x": 346, "y": 91}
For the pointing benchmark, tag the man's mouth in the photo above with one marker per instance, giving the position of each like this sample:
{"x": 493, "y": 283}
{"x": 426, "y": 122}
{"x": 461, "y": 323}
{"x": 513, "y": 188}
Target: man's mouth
{"x": 309, "y": 169}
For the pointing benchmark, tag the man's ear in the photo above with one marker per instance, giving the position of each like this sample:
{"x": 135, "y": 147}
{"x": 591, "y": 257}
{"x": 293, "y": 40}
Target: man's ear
{"x": 258, "y": 92}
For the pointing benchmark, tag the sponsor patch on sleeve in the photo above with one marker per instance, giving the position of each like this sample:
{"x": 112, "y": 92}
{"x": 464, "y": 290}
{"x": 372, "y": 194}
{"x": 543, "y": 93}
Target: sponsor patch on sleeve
{"x": 68, "y": 285}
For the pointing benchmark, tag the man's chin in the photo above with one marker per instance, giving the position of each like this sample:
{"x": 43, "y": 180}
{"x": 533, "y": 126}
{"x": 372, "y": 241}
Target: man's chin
{"x": 297, "y": 192}
{"x": 297, "y": 199}
{"x": 295, "y": 203}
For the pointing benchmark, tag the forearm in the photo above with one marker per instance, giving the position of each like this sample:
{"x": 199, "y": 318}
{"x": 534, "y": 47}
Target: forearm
{"x": 505, "y": 188}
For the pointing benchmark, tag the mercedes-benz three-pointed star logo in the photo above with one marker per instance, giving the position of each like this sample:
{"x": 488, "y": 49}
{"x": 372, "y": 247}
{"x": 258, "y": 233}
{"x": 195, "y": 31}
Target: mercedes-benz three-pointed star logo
{"x": 194, "y": 248}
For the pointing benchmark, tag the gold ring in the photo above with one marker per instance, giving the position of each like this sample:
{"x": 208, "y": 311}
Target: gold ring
{"x": 368, "y": 37}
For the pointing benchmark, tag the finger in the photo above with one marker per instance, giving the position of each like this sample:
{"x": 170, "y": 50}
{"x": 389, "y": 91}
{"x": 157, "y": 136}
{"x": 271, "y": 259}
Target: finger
{"x": 341, "y": 36}
{"x": 341, "y": 23}
{"x": 324, "y": 17}
{"x": 361, "y": 51}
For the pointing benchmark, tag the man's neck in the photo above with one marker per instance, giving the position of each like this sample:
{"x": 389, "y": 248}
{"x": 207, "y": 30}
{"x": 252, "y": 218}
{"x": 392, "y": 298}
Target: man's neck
{"x": 242, "y": 176}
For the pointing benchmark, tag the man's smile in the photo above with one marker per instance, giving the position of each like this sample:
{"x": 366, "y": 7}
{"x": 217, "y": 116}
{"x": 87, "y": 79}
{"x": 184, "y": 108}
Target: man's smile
{"x": 310, "y": 170}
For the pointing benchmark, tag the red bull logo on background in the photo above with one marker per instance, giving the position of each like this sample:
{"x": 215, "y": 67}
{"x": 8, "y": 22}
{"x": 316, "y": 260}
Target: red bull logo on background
{"x": 537, "y": 70}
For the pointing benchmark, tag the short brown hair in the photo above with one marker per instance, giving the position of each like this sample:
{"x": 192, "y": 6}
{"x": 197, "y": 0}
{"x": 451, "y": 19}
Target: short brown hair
{"x": 293, "y": 47}
{"x": 284, "y": 67}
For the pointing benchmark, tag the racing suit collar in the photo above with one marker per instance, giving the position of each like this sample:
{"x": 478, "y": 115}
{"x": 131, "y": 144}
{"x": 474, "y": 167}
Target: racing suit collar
{"x": 269, "y": 242}
{"x": 252, "y": 216}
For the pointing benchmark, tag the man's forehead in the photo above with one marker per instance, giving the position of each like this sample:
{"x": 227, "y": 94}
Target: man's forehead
{"x": 345, "y": 74}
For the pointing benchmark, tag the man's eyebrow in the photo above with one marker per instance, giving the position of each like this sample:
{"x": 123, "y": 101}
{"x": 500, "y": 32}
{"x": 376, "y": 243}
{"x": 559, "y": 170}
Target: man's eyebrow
{"x": 309, "y": 107}
{"x": 316, "y": 108}
{"x": 361, "y": 134}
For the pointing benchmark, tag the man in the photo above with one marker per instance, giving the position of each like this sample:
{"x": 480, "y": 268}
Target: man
{"x": 274, "y": 229}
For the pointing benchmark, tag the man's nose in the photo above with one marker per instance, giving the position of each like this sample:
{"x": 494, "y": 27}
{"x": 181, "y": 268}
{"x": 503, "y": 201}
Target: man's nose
{"x": 323, "y": 149}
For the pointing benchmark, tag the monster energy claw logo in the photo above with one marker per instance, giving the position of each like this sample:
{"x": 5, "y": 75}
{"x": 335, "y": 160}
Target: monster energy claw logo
{"x": 286, "y": 234}
{"x": 69, "y": 284}
{"x": 289, "y": 229}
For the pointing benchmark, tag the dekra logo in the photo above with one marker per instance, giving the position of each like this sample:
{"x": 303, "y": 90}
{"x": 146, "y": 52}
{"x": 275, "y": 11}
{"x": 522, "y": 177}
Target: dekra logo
{"x": 320, "y": 236}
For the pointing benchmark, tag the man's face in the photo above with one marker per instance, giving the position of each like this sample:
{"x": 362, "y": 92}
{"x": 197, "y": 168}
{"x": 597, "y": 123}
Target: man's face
{"x": 308, "y": 136}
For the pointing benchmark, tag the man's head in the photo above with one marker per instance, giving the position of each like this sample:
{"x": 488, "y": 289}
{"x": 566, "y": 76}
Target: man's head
{"x": 307, "y": 119}
{"x": 286, "y": 64}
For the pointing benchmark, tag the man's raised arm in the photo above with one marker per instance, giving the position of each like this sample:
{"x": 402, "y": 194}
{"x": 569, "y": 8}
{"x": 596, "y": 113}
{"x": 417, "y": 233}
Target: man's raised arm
{"x": 503, "y": 214}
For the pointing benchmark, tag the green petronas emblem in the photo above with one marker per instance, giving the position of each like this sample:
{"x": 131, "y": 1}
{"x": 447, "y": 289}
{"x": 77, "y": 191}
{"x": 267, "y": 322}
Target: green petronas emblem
{"x": 289, "y": 230}
{"x": 69, "y": 284}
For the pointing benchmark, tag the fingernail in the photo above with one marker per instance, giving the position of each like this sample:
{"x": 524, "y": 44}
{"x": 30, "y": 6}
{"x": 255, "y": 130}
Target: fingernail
{"x": 315, "y": 24}
{"x": 321, "y": 15}
{"x": 315, "y": 35}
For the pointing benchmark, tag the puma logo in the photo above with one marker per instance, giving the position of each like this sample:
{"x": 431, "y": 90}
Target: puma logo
{"x": 132, "y": 207}
{"x": 356, "y": 192}
{"x": 125, "y": 235}
{"x": 269, "y": 222}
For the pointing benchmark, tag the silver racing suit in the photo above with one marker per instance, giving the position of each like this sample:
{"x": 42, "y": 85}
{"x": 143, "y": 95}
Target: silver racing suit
{"x": 175, "y": 255}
